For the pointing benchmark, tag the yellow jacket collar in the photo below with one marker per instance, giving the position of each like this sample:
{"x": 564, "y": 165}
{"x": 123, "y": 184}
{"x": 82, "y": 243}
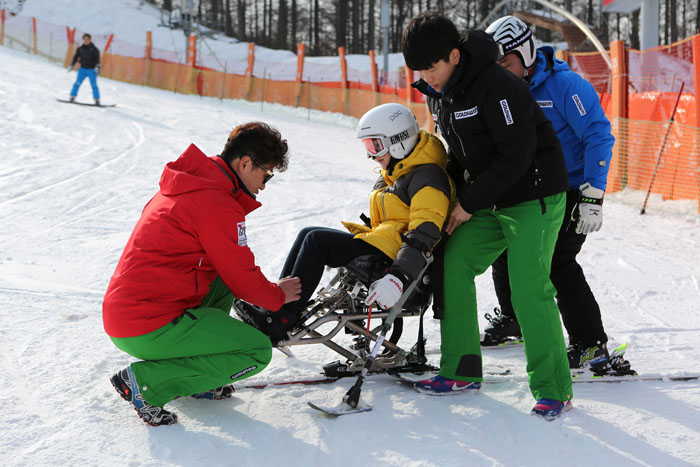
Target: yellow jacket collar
{"x": 428, "y": 150}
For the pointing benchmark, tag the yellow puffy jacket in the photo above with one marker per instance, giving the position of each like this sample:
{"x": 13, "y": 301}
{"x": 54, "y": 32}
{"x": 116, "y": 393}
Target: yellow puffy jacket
{"x": 409, "y": 206}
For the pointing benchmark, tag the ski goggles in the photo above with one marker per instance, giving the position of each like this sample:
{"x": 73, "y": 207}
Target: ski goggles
{"x": 375, "y": 146}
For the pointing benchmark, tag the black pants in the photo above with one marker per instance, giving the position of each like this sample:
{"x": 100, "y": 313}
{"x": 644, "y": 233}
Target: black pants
{"x": 579, "y": 310}
{"x": 314, "y": 248}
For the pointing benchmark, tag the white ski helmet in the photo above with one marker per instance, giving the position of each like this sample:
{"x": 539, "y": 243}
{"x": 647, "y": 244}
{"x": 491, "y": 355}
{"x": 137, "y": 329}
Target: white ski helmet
{"x": 515, "y": 37}
{"x": 388, "y": 128}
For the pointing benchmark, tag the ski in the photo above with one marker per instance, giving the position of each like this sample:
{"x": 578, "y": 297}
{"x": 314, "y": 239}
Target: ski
{"x": 506, "y": 377}
{"x": 341, "y": 409}
{"x": 85, "y": 103}
{"x": 251, "y": 386}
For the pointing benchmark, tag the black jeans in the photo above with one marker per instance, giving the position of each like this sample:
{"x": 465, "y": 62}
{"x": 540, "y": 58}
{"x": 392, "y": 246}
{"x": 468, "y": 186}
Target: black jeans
{"x": 314, "y": 248}
{"x": 579, "y": 310}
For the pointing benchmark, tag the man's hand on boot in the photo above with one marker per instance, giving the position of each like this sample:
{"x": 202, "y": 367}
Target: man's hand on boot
{"x": 291, "y": 286}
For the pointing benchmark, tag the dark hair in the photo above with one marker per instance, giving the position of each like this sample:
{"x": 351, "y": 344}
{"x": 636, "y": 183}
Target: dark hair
{"x": 260, "y": 142}
{"x": 87, "y": 35}
{"x": 428, "y": 38}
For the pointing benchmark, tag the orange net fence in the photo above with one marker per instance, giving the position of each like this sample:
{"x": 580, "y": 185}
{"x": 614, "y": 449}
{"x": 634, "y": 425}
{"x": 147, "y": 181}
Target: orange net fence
{"x": 650, "y": 144}
{"x": 639, "y": 108}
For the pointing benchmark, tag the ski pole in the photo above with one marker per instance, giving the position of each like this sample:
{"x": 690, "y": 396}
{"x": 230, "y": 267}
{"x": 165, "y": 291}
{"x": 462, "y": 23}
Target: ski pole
{"x": 661, "y": 151}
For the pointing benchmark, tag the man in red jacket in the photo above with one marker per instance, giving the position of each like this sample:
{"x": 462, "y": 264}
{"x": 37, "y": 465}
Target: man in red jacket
{"x": 169, "y": 299}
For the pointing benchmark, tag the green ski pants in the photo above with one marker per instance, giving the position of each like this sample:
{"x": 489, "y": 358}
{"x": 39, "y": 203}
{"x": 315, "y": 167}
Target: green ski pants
{"x": 530, "y": 236}
{"x": 201, "y": 350}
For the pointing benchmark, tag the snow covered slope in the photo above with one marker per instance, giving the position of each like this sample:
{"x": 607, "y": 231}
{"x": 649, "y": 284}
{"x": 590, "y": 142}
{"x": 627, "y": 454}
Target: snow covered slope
{"x": 73, "y": 181}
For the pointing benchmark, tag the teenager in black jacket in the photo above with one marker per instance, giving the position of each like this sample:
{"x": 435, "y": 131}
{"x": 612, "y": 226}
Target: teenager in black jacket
{"x": 509, "y": 170}
{"x": 88, "y": 55}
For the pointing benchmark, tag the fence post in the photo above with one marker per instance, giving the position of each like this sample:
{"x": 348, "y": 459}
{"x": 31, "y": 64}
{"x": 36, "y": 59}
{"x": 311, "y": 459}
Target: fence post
{"x": 70, "y": 50}
{"x": 148, "y": 55}
{"x": 106, "y": 58}
{"x": 696, "y": 82}
{"x": 617, "y": 177}
{"x": 249, "y": 70}
{"x": 375, "y": 75}
{"x": 301, "y": 48}
{"x": 191, "y": 63}
{"x": 35, "y": 48}
{"x": 409, "y": 89}
{"x": 343, "y": 79}
{"x": 2, "y": 27}
{"x": 562, "y": 55}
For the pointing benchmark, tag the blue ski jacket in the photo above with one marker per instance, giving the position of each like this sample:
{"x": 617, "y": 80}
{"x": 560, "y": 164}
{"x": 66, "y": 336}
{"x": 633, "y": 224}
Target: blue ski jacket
{"x": 573, "y": 107}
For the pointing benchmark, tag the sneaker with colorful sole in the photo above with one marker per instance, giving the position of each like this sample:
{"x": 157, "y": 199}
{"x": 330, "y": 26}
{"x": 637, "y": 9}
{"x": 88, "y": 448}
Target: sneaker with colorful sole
{"x": 549, "y": 409}
{"x": 441, "y": 386}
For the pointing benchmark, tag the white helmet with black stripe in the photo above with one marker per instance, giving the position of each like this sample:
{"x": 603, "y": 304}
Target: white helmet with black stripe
{"x": 388, "y": 128}
{"x": 514, "y": 36}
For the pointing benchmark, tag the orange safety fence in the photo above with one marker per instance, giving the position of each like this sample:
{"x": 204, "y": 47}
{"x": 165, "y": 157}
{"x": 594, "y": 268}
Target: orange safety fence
{"x": 653, "y": 79}
{"x": 639, "y": 116}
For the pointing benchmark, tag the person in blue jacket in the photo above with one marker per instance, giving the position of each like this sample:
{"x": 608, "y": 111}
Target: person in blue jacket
{"x": 573, "y": 107}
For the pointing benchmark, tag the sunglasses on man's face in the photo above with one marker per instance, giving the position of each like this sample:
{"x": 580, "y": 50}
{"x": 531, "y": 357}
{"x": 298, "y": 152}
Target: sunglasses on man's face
{"x": 268, "y": 172}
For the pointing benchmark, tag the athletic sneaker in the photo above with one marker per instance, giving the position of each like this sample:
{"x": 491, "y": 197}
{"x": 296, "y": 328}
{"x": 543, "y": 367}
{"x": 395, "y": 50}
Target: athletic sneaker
{"x": 502, "y": 328}
{"x": 549, "y": 409}
{"x": 125, "y": 384}
{"x": 441, "y": 386}
{"x": 218, "y": 394}
{"x": 595, "y": 357}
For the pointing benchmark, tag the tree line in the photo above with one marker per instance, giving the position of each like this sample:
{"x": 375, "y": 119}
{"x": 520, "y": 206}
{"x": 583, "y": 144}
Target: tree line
{"x": 325, "y": 25}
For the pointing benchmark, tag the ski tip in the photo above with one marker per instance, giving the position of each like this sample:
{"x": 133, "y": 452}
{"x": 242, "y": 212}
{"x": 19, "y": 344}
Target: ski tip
{"x": 341, "y": 409}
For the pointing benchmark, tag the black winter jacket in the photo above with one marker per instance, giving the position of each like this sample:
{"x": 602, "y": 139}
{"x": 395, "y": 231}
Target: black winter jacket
{"x": 502, "y": 149}
{"x": 87, "y": 55}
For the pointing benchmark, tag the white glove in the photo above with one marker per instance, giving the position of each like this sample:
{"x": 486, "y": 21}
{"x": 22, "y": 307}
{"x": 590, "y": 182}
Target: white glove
{"x": 385, "y": 291}
{"x": 590, "y": 209}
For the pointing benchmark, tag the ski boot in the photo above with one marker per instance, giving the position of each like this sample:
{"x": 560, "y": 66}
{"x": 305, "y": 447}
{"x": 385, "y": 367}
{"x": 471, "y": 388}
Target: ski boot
{"x": 274, "y": 324}
{"x": 503, "y": 328}
{"x": 593, "y": 357}
{"x": 125, "y": 384}
{"x": 97, "y": 103}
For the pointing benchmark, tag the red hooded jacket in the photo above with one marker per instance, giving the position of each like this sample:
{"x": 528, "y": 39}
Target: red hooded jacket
{"x": 190, "y": 232}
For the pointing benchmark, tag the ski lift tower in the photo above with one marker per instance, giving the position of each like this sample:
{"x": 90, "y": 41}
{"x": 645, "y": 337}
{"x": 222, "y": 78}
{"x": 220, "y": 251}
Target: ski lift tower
{"x": 187, "y": 15}
{"x": 649, "y": 18}
{"x": 384, "y": 29}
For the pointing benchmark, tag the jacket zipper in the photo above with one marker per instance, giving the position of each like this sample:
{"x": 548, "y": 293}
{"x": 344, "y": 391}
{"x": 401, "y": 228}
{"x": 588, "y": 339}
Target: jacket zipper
{"x": 461, "y": 144}
{"x": 381, "y": 205}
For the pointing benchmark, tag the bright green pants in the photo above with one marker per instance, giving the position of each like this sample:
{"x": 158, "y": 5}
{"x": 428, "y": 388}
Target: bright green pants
{"x": 203, "y": 349}
{"x": 529, "y": 235}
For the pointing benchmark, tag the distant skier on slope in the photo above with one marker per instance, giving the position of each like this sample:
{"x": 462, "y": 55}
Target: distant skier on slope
{"x": 88, "y": 56}
{"x": 573, "y": 107}
{"x": 169, "y": 299}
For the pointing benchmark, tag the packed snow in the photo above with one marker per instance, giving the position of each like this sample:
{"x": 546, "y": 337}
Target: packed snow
{"x": 74, "y": 180}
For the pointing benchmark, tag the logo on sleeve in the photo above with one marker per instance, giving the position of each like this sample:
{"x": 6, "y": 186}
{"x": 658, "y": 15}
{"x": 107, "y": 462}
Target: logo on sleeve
{"x": 474, "y": 111}
{"x": 242, "y": 239}
{"x": 545, "y": 104}
{"x": 579, "y": 104}
{"x": 506, "y": 111}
